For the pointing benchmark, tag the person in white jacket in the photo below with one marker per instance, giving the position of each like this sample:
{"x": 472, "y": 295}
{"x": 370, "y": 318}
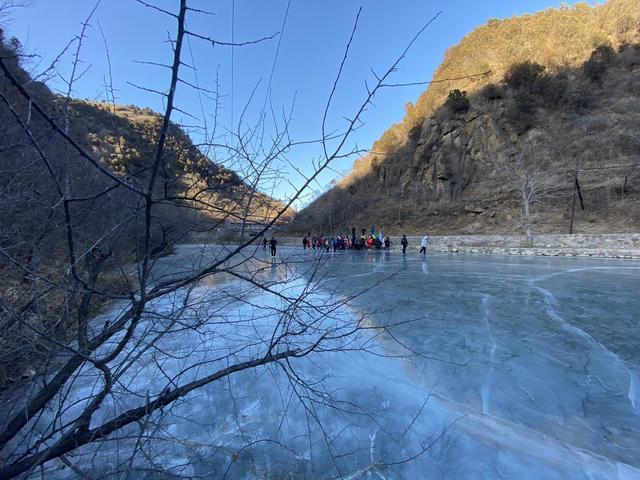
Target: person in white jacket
{"x": 423, "y": 245}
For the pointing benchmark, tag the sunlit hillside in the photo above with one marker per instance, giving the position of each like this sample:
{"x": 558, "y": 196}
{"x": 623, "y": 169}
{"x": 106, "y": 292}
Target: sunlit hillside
{"x": 559, "y": 87}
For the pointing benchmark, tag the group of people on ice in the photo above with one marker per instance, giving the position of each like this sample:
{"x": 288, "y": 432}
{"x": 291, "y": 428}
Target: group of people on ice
{"x": 347, "y": 242}
{"x": 364, "y": 241}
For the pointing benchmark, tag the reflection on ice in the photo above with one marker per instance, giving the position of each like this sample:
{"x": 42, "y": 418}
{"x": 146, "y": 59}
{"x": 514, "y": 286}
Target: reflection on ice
{"x": 633, "y": 394}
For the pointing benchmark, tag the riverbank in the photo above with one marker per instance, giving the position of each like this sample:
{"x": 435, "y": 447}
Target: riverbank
{"x": 624, "y": 245}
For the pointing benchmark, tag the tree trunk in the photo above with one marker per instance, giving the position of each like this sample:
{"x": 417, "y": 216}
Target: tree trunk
{"x": 526, "y": 220}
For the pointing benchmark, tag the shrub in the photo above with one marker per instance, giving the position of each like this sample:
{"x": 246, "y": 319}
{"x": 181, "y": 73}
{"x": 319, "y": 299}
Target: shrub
{"x": 521, "y": 113}
{"x": 525, "y": 102}
{"x": 581, "y": 98}
{"x": 596, "y": 67}
{"x": 629, "y": 55}
{"x": 536, "y": 85}
{"x": 551, "y": 89}
{"x": 524, "y": 75}
{"x": 457, "y": 101}
{"x": 492, "y": 92}
{"x": 15, "y": 46}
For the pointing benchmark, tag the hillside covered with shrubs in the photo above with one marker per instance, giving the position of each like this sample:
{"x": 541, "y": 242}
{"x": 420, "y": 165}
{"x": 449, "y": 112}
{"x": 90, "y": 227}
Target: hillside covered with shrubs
{"x": 73, "y": 219}
{"x": 557, "y": 90}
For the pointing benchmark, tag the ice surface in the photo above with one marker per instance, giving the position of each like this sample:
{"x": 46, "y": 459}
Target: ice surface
{"x": 506, "y": 367}
{"x": 549, "y": 354}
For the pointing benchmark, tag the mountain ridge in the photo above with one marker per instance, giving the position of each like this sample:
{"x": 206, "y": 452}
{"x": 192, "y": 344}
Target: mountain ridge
{"x": 435, "y": 162}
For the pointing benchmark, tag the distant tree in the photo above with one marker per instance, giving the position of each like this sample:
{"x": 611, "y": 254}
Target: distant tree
{"x": 628, "y": 172}
{"x": 457, "y": 101}
{"x": 15, "y": 46}
{"x": 524, "y": 75}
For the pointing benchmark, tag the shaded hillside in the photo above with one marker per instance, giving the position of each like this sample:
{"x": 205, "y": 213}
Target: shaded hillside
{"x": 124, "y": 138}
{"x": 446, "y": 169}
{"x": 74, "y": 218}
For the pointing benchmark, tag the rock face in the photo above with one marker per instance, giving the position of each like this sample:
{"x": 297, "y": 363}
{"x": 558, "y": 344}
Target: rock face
{"x": 452, "y": 153}
{"x": 446, "y": 163}
{"x": 459, "y": 165}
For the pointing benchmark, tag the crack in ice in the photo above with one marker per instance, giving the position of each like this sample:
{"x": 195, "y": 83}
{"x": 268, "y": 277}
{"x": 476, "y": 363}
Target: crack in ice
{"x": 550, "y": 301}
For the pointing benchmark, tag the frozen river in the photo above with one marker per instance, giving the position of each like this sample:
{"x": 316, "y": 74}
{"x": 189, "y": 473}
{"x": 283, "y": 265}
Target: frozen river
{"x": 495, "y": 367}
{"x": 538, "y": 358}
{"x": 531, "y": 366}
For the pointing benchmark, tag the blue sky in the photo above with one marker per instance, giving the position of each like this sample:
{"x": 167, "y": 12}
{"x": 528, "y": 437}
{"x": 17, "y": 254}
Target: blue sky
{"x": 311, "y": 47}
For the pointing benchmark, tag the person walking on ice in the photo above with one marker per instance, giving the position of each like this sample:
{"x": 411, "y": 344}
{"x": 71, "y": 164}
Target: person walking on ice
{"x": 272, "y": 246}
{"x": 405, "y": 243}
{"x": 423, "y": 245}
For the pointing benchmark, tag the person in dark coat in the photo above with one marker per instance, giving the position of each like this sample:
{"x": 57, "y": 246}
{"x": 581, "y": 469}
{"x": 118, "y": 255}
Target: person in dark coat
{"x": 264, "y": 243}
{"x": 405, "y": 243}
{"x": 272, "y": 245}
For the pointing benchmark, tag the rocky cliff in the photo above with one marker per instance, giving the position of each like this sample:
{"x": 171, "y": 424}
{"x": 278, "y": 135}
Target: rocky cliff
{"x": 458, "y": 160}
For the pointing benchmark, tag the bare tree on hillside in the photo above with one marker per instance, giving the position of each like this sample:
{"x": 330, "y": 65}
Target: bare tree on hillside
{"x": 631, "y": 168}
{"x": 201, "y": 321}
{"x": 529, "y": 180}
